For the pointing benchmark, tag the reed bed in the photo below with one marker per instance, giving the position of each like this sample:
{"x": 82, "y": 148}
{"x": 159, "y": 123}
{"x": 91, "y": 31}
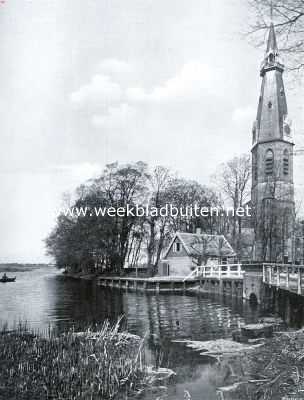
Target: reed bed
{"x": 100, "y": 364}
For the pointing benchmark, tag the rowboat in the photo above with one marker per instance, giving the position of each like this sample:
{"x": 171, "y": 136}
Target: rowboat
{"x": 6, "y": 279}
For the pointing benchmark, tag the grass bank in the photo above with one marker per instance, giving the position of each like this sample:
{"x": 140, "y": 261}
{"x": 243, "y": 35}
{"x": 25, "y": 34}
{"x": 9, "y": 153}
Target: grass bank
{"x": 104, "y": 364}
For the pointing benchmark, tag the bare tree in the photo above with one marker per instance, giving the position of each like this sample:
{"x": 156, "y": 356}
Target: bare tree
{"x": 232, "y": 179}
{"x": 288, "y": 19}
{"x": 159, "y": 181}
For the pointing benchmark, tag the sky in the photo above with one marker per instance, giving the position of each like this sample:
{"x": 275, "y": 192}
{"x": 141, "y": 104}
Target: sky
{"x": 87, "y": 82}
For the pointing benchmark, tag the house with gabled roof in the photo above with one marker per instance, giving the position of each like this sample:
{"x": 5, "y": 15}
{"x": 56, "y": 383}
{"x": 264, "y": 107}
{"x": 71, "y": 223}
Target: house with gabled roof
{"x": 186, "y": 251}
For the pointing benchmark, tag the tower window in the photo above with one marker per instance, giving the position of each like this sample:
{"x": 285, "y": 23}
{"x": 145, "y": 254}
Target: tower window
{"x": 254, "y": 135}
{"x": 269, "y": 162}
{"x": 254, "y": 167}
{"x": 255, "y": 172}
{"x": 285, "y": 162}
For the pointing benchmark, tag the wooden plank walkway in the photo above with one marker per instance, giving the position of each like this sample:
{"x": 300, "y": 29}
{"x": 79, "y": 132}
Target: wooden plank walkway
{"x": 218, "y": 273}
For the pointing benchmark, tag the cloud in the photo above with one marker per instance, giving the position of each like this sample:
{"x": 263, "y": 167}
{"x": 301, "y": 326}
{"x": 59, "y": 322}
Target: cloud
{"x": 115, "y": 100}
{"x": 242, "y": 115}
{"x": 192, "y": 82}
{"x": 114, "y": 66}
{"x": 116, "y": 116}
{"x": 81, "y": 171}
{"x": 101, "y": 90}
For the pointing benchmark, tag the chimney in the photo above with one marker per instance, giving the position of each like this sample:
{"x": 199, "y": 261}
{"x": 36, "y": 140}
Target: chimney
{"x": 198, "y": 231}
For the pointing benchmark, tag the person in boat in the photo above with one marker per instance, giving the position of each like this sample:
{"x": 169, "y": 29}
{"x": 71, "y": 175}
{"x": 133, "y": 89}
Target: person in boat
{"x": 4, "y": 276}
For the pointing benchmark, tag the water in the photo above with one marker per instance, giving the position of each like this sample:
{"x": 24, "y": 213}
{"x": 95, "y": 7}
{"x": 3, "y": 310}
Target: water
{"x": 45, "y": 296}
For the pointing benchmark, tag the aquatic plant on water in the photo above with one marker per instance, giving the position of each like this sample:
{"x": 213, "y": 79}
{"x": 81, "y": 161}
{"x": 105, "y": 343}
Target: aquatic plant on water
{"x": 100, "y": 364}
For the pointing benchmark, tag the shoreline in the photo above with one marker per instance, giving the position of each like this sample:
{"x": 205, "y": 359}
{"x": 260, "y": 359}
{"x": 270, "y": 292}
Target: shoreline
{"x": 274, "y": 363}
{"x": 232, "y": 287}
{"x": 104, "y": 362}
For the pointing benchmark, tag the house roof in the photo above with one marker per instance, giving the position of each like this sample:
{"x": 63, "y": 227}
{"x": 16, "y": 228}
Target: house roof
{"x": 202, "y": 244}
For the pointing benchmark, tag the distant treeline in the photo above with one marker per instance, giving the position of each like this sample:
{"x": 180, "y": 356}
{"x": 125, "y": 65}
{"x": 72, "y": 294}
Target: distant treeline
{"x": 19, "y": 267}
{"x": 109, "y": 243}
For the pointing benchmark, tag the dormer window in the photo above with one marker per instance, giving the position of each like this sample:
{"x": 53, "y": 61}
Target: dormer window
{"x": 269, "y": 161}
{"x": 176, "y": 247}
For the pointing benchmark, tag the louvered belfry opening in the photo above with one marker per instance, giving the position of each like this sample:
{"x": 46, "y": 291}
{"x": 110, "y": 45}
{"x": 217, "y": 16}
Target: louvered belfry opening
{"x": 285, "y": 162}
{"x": 269, "y": 163}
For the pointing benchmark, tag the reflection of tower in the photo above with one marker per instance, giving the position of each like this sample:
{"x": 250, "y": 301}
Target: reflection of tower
{"x": 272, "y": 192}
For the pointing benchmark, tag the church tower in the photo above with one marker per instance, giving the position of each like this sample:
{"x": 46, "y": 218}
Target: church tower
{"x": 272, "y": 192}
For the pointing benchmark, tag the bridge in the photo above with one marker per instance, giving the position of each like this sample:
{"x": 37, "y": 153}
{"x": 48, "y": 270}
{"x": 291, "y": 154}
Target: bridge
{"x": 284, "y": 276}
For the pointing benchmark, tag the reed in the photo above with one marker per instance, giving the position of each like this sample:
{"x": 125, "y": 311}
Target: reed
{"x": 103, "y": 363}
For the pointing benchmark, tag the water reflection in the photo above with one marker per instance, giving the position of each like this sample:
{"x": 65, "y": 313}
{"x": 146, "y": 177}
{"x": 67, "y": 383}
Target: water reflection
{"x": 45, "y": 297}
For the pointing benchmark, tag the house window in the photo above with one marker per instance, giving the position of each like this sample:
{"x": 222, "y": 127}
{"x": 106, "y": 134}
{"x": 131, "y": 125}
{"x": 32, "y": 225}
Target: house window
{"x": 269, "y": 162}
{"x": 177, "y": 247}
{"x": 285, "y": 162}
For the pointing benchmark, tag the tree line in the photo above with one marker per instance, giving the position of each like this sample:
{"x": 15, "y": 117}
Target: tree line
{"x": 108, "y": 243}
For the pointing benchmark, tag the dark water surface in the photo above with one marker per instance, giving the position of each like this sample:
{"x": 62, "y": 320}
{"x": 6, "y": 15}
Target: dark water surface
{"x": 44, "y": 296}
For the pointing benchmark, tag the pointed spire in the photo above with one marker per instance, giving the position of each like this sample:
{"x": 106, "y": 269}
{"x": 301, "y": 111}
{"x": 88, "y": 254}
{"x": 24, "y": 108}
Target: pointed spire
{"x": 271, "y": 58}
{"x": 272, "y": 47}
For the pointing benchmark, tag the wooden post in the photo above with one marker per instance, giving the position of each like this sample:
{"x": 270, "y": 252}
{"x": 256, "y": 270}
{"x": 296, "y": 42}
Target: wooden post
{"x": 264, "y": 274}
{"x": 287, "y": 277}
{"x": 299, "y": 281}
{"x": 278, "y": 276}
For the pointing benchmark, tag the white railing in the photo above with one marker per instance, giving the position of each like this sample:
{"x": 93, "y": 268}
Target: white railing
{"x": 217, "y": 271}
{"x": 194, "y": 274}
{"x": 224, "y": 270}
{"x": 284, "y": 276}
